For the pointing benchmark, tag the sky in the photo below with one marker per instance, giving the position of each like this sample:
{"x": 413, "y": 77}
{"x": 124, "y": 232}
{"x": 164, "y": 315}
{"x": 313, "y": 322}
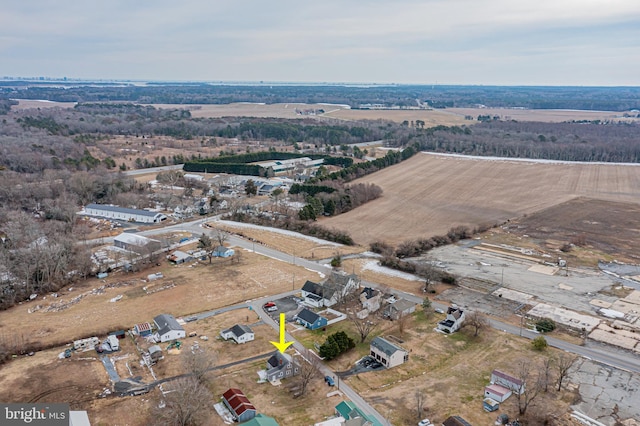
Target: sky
{"x": 488, "y": 42}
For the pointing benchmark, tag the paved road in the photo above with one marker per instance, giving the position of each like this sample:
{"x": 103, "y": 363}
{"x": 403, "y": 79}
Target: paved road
{"x": 610, "y": 356}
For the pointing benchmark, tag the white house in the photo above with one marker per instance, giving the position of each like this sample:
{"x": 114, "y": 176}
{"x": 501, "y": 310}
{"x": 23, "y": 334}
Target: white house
{"x": 330, "y": 291}
{"x": 370, "y": 299}
{"x": 454, "y": 320}
{"x": 238, "y": 333}
{"x": 122, "y": 213}
{"x": 387, "y": 353}
{"x": 167, "y": 328}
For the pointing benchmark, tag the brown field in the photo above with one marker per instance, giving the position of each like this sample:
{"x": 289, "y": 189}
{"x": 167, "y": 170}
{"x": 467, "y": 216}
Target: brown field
{"x": 198, "y": 288}
{"x": 543, "y": 115}
{"x": 27, "y": 104}
{"x": 431, "y": 118}
{"x": 428, "y": 194}
{"x": 241, "y": 109}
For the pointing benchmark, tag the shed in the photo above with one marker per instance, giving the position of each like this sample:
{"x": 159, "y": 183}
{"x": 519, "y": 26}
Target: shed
{"x": 120, "y": 334}
{"x": 261, "y": 420}
{"x": 497, "y": 392}
{"x": 142, "y": 329}
{"x": 239, "y": 405}
{"x": 155, "y": 352}
{"x": 490, "y": 404}
{"x": 310, "y": 319}
{"x": 455, "y": 421}
{"x": 178, "y": 257}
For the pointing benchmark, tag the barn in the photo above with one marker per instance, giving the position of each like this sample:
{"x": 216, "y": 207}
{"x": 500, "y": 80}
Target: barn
{"x": 239, "y": 405}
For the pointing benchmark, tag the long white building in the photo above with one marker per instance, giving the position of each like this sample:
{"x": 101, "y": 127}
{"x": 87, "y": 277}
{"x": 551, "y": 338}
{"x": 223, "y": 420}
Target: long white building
{"x": 122, "y": 213}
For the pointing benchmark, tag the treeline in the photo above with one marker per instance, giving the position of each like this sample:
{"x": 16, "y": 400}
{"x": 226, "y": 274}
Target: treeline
{"x": 292, "y": 224}
{"x": 437, "y": 96}
{"x": 606, "y": 142}
{"x": 5, "y": 105}
{"x": 393, "y": 258}
{"x": 237, "y": 164}
{"x": 338, "y": 200}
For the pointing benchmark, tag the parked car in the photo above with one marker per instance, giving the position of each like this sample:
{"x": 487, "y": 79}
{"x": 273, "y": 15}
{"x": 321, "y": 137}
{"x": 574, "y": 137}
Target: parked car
{"x": 270, "y": 307}
{"x": 329, "y": 380}
{"x": 190, "y": 319}
{"x": 438, "y": 310}
{"x": 425, "y": 422}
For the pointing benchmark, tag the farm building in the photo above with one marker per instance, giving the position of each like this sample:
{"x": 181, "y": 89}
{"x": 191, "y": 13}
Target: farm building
{"x": 280, "y": 366}
{"x": 239, "y": 405}
{"x": 222, "y": 251}
{"x": 310, "y": 319}
{"x": 399, "y": 308}
{"x": 453, "y": 321}
{"x": 167, "y": 328}
{"x": 136, "y": 243}
{"x": 122, "y": 213}
{"x": 238, "y": 333}
{"x": 178, "y": 257}
{"x": 455, "y": 421}
{"x": 261, "y": 420}
{"x": 142, "y": 329}
{"x": 387, "y": 353}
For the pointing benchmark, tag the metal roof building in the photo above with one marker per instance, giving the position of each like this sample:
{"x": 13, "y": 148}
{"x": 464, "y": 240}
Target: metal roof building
{"x": 123, "y": 213}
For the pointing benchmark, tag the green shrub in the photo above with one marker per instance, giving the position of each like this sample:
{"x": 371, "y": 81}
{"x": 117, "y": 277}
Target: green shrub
{"x": 539, "y": 343}
{"x": 545, "y": 325}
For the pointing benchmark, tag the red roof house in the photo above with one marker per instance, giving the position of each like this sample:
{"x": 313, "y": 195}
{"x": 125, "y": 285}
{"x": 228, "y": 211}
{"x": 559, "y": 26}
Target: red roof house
{"x": 239, "y": 405}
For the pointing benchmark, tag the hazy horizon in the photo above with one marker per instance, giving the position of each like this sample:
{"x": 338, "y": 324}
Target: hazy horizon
{"x": 410, "y": 42}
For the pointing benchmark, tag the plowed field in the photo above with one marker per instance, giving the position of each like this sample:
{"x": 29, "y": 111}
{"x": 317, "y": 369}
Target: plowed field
{"x": 428, "y": 194}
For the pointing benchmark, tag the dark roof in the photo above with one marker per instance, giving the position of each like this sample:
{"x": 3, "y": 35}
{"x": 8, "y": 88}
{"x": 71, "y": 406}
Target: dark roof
{"x": 456, "y": 312}
{"x": 278, "y": 360}
{"x": 455, "y": 421}
{"x": 239, "y": 329}
{"x": 325, "y": 290}
{"x": 369, "y": 292}
{"x": 166, "y": 323}
{"x": 118, "y": 209}
{"x": 308, "y": 316}
{"x": 385, "y": 346}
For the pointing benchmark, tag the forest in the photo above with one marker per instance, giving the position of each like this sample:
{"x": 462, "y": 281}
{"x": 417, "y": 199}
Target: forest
{"x": 437, "y": 96}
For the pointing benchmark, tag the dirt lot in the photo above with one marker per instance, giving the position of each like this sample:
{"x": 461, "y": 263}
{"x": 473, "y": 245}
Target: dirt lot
{"x": 594, "y": 226}
{"x": 195, "y": 289}
{"x": 428, "y": 194}
{"x": 544, "y": 115}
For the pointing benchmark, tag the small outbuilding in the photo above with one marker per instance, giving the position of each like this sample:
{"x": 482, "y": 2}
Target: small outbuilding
{"x": 178, "y": 257}
{"x": 497, "y": 393}
{"x": 142, "y": 329}
{"x": 310, "y": 319}
{"x": 222, "y": 251}
{"x": 155, "y": 353}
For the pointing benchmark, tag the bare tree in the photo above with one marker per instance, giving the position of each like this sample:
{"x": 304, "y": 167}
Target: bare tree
{"x": 547, "y": 365}
{"x": 528, "y": 389}
{"x": 206, "y": 244}
{"x": 363, "y": 326}
{"x": 309, "y": 370}
{"x": 199, "y": 363}
{"x": 402, "y": 322}
{"x": 563, "y": 364}
{"x": 220, "y": 237}
{"x": 477, "y": 321}
{"x": 420, "y": 400}
{"x": 187, "y": 403}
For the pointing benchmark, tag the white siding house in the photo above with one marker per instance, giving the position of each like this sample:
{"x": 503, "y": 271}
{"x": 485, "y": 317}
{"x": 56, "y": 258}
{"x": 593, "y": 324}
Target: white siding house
{"x": 238, "y": 333}
{"x": 454, "y": 320}
{"x": 387, "y": 353}
{"x": 167, "y": 328}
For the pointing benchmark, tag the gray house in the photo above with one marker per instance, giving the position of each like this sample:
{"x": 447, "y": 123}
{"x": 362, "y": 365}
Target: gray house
{"x": 401, "y": 307}
{"x": 281, "y": 365}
